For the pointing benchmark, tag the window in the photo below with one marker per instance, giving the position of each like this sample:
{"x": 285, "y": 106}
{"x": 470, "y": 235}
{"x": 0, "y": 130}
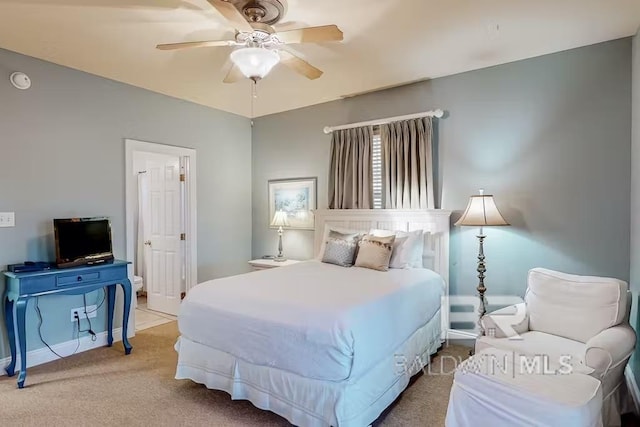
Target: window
{"x": 376, "y": 169}
{"x": 359, "y": 176}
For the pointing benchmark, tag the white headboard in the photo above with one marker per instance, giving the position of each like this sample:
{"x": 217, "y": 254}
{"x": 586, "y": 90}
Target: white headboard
{"x": 433, "y": 221}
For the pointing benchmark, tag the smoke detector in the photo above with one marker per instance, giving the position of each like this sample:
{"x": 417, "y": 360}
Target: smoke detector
{"x": 20, "y": 80}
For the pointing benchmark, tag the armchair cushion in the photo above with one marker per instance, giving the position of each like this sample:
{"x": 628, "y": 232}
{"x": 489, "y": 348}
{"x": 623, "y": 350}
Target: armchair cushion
{"x": 574, "y": 307}
{"x": 557, "y": 351}
{"x": 609, "y": 348}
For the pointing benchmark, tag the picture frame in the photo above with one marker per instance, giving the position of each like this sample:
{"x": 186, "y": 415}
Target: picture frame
{"x": 297, "y": 197}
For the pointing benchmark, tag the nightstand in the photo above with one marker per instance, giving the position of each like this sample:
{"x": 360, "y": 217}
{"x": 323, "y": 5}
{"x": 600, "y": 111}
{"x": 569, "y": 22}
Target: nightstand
{"x": 263, "y": 264}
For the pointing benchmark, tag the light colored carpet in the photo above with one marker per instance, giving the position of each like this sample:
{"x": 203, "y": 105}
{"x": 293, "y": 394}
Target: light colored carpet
{"x": 105, "y": 387}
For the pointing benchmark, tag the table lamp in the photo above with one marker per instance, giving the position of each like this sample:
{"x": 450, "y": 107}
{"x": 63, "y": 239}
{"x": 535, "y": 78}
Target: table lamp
{"x": 280, "y": 220}
{"x": 481, "y": 212}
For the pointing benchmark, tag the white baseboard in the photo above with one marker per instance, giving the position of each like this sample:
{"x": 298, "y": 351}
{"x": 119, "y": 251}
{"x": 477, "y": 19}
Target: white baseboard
{"x": 632, "y": 385}
{"x": 455, "y": 334}
{"x": 44, "y": 355}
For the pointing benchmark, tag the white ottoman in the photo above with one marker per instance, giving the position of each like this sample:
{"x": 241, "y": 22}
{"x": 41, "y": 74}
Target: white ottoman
{"x": 493, "y": 388}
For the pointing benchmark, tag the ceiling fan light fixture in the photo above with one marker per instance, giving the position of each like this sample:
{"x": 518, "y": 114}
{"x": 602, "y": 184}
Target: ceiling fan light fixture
{"x": 255, "y": 62}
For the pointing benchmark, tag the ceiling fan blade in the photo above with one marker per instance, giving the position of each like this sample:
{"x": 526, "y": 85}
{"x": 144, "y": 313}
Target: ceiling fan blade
{"x": 234, "y": 74}
{"x": 326, "y": 33}
{"x": 299, "y": 65}
{"x": 189, "y": 45}
{"x": 232, "y": 15}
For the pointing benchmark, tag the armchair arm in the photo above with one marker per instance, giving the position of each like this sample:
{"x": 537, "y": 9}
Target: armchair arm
{"x": 507, "y": 322}
{"x": 608, "y": 348}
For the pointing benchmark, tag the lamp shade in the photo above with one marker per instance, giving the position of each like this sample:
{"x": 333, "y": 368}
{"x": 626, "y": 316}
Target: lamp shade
{"x": 255, "y": 62}
{"x": 280, "y": 219}
{"x": 481, "y": 211}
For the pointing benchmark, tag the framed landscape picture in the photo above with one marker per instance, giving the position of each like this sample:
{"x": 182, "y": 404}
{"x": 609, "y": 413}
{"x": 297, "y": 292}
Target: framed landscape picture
{"x": 297, "y": 198}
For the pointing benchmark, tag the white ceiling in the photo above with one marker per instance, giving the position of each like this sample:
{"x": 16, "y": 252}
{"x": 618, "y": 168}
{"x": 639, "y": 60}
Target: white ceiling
{"x": 387, "y": 42}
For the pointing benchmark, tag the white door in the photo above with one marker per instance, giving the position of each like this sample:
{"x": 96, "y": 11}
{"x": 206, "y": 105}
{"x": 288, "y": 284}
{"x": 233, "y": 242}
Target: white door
{"x": 163, "y": 248}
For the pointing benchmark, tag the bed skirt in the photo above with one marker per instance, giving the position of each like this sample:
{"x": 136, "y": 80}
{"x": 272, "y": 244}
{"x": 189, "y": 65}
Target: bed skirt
{"x": 305, "y": 402}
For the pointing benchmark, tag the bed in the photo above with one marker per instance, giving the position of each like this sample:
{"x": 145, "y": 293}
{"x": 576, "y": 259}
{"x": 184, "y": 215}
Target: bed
{"x": 320, "y": 344}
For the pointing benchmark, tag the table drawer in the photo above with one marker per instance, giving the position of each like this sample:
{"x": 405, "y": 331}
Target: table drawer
{"x": 78, "y": 278}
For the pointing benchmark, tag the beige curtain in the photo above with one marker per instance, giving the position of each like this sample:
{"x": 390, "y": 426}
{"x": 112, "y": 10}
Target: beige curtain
{"x": 350, "y": 177}
{"x": 407, "y": 164}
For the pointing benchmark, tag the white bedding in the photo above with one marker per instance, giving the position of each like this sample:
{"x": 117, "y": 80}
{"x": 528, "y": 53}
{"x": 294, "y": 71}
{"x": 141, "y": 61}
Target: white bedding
{"x": 308, "y": 402}
{"x": 313, "y": 319}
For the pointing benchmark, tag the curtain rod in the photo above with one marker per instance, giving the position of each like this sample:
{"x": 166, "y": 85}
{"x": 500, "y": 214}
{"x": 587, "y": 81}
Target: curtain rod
{"x": 434, "y": 113}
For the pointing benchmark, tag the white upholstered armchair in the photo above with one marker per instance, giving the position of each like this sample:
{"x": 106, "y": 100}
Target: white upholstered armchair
{"x": 578, "y": 320}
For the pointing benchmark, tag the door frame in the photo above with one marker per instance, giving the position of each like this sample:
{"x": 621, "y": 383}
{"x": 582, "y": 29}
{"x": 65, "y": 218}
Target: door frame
{"x": 131, "y": 184}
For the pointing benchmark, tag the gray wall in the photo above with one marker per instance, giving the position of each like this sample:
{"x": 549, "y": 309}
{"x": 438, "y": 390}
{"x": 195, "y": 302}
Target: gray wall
{"x": 635, "y": 199}
{"x": 549, "y": 137}
{"x": 63, "y": 155}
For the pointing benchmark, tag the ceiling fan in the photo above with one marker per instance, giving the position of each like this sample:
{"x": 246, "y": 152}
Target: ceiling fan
{"x": 259, "y": 46}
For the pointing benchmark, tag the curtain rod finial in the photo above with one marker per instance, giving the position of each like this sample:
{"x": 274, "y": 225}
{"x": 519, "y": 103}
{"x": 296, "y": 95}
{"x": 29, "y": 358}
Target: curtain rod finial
{"x": 327, "y": 130}
{"x": 438, "y": 113}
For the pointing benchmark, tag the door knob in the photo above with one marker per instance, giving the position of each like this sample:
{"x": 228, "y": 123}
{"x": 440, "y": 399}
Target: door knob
{"x": 148, "y": 242}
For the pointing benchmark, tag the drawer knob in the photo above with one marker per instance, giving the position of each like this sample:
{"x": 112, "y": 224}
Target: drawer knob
{"x": 79, "y": 278}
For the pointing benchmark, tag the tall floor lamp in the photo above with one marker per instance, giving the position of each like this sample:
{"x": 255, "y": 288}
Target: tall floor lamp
{"x": 481, "y": 212}
{"x": 280, "y": 220}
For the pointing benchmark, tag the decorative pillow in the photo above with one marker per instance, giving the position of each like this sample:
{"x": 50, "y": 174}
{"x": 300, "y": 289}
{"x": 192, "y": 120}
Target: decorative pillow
{"x": 340, "y": 248}
{"x": 325, "y": 237}
{"x": 408, "y": 247}
{"x": 375, "y": 252}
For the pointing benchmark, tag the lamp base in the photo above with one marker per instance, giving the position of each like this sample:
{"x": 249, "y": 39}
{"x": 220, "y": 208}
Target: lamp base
{"x": 279, "y": 258}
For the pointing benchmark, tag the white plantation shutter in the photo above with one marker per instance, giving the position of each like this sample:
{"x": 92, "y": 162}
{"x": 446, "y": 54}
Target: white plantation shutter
{"x": 376, "y": 169}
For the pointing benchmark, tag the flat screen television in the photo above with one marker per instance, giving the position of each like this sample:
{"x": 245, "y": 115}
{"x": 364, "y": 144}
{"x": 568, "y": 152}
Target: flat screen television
{"x": 82, "y": 241}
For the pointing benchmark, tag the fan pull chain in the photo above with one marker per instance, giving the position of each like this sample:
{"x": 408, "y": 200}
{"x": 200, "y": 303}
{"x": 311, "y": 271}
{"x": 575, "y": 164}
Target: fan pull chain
{"x": 254, "y": 96}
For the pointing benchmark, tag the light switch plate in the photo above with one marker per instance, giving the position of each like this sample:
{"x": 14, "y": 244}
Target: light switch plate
{"x": 7, "y": 219}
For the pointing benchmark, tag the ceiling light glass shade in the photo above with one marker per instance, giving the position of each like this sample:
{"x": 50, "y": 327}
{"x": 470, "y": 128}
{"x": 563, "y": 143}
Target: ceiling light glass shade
{"x": 255, "y": 62}
{"x": 481, "y": 211}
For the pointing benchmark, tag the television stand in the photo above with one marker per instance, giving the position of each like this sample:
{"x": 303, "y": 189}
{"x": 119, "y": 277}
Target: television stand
{"x": 21, "y": 287}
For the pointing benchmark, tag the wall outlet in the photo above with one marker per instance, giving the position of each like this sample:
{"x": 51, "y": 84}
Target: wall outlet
{"x": 7, "y": 219}
{"x": 92, "y": 311}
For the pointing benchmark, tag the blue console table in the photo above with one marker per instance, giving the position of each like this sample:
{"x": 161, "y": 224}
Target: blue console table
{"x": 64, "y": 281}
